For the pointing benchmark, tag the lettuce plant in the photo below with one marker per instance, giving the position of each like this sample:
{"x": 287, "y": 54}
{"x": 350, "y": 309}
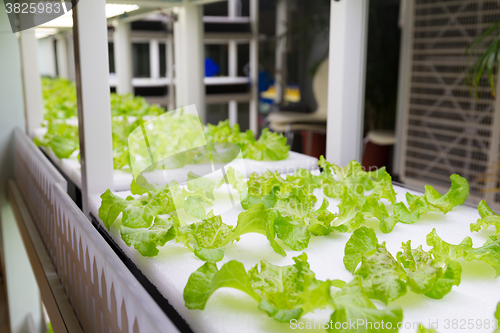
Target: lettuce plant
{"x": 288, "y": 292}
{"x": 432, "y": 273}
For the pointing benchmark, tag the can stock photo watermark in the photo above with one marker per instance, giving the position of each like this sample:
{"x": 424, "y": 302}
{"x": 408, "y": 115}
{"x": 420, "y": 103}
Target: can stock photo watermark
{"x": 27, "y": 14}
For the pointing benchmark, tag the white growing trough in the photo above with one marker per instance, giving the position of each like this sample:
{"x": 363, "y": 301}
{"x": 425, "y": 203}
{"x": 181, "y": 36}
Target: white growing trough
{"x": 230, "y": 310}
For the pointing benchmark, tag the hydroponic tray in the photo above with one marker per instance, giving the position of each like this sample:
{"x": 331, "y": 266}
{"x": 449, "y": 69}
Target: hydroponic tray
{"x": 230, "y": 310}
{"x": 72, "y": 169}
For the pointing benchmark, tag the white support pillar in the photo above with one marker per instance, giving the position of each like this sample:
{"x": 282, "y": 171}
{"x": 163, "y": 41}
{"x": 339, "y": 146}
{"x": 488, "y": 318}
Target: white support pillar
{"x": 94, "y": 112}
{"x": 62, "y": 56}
{"x": 32, "y": 87}
{"x": 233, "y": 72}
{"x": 169, "y": 49}
{"x": 189, "y": 58}
{"x": 123, "y": 57}
{"x": 254, "y": 65}
{"x": 280, "y": 59}
{"x": 234, "y": 8}
{"x": 47, "y": 56}
{"x": 406, "y": 26}
{"x": 154, "y": 58}
{"x": 233, "y": 58}
{"x": 233, "y": 112}
{"x": 346, "y": 83}
{"x": 71, "y": 56}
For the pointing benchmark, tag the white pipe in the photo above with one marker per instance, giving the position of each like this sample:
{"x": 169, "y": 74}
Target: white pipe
{"x": 280, "y": 59}
{"x": 62, "y": 56}
{"x": 189, "y": 58}
{"x": 32, "y": 87}
{"x": 169, "y": 49}
{"x": 123, "y": 57}
{"x": 254, "y": 65}
{"x": 154, "y": 58}
{"x": 94, "y": 110}
{"x": 233, "y": 72}
{"x": 233, "y": 112}
{"x": 346, "y": 82}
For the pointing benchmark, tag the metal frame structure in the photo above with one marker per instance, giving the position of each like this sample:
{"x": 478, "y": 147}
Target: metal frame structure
{"x": 93, "y": 100}
{"x": 90, "y": 42}
{"x": 98, "y": 269}
{"x": 123, "y": 37}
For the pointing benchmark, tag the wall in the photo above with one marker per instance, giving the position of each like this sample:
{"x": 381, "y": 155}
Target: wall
{"x": 22, "y": 290}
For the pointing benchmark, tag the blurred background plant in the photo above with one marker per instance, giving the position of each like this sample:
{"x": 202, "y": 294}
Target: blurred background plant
{"x": 485, "y": 49}
{"x": 487, "y": 60}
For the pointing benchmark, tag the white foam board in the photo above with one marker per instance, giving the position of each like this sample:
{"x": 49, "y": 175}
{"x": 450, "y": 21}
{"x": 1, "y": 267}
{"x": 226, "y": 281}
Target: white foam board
{"x": 71, "y": 167}
{"x": 229, "y": 310}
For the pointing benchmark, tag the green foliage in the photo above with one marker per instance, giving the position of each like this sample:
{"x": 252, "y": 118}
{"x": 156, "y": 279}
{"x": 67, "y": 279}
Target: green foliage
{"x": 432, "y": 200}
{"x": 270, "y": 146}
{"x": 49, "y": 328}
{"x": 207, "y": 279}
{"x": 352, "y": 303}
{"x": 432, "y": 273}
{"x": 278, "y": 207}
{"x": 488, "y": 218}
{"x": 487, "y": 60}
{"x": 286, "y": 293}
{"x": 497, "y": 317}
{"x": 422, "y": 329}
{"x": 61, "y": 138}
{"x": 144, "y": 225}
{"x": 285, "y": 208}
{"x": 59, "y": 98}
{"x": 128, "y": 112}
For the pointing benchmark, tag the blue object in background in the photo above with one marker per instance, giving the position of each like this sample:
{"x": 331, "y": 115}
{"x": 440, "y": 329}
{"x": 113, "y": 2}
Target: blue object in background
{"x": 265, "y": 81}
{"x": 211, "y": 67}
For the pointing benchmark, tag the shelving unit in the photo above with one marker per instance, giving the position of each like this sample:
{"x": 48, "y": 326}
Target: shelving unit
{"x": 154, "y": 39}
{"x": 97, "y": 281}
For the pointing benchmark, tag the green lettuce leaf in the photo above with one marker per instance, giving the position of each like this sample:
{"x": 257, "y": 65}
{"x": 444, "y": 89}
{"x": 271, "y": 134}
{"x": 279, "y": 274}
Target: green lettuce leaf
{"x": 293, "y": 232}
{"x": 289, "y": 292}
{"x": 446, "y": 279}
{"x": 362, "y": 242}
{"x": 258, "y": 219}
{"x": 386, "y": 279}
{"x": 488, "y": 218}
{"x": 489, "y": 253}
{"x": 147, "y": 241}
{"x": 111, "y": 207}
{"x": 497, "y": 317}
{"x": 458, "y": 193}
{"x": 269, "y": 146}
{"x": 352, "y": 303}
{"x": 207, "y": 279}
{"x": 422, "y": 329}
{"x": 430, "y": 201}
{"x": 211, "y": 236}
{"x": 336, "y": 179}
{"x": 284, "y": 293}
{"x": 383, "y": 277}
{"x": 444, "y": 252}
